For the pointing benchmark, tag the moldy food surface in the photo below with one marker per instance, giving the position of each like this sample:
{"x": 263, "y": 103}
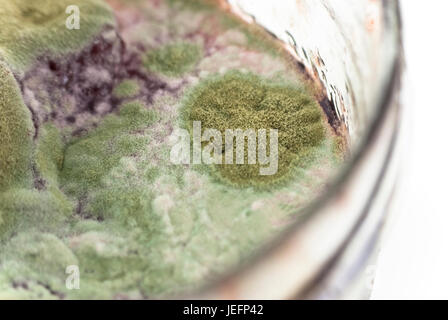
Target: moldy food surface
{"x": 86, "y": 127}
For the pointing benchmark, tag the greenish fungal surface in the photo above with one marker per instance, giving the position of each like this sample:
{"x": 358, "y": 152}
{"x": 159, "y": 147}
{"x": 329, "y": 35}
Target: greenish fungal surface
{"x": 246, "y": 101}
{"x": 127, "y": 89}
{"x": 50, "y": 154}
{"x": 89, "y": 158}
{"x": 87, "y": 132}
{"x": 193, "y": 4}
{"x": 23, "y": 208}
{"x": 173, "y": 59}
{"x": 255, "y": 37}
{"x": 26, "y": 209}
{"x": 29, "y": 29}
{"x": 16, "y": 134}
{"x": 37, "y": 262}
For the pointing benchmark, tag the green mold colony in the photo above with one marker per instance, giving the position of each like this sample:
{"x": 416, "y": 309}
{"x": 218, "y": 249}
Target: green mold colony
{"x": 255, "y": 36}
{"x": 109, "y": 200}
{"x": 246, "y": 101}
{"x": 127, "y": 89}
{"x": 173, "y": 59}
{"x": 90, "y": 158}
{"x": 29, "y": 29}
{"x": 16, "y": 133}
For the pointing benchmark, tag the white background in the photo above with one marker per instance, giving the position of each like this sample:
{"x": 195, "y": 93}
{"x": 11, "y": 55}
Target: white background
{"x": 413, "y": 262}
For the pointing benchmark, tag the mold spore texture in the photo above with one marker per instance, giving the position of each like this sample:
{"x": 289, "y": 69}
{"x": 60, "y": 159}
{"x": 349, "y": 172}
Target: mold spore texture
{"x": 86, "y": 177}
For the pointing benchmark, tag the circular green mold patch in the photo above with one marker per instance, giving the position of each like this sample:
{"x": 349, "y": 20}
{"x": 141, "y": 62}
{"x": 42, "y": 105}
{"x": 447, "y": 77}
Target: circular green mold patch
{"x": 246, "y": 101}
